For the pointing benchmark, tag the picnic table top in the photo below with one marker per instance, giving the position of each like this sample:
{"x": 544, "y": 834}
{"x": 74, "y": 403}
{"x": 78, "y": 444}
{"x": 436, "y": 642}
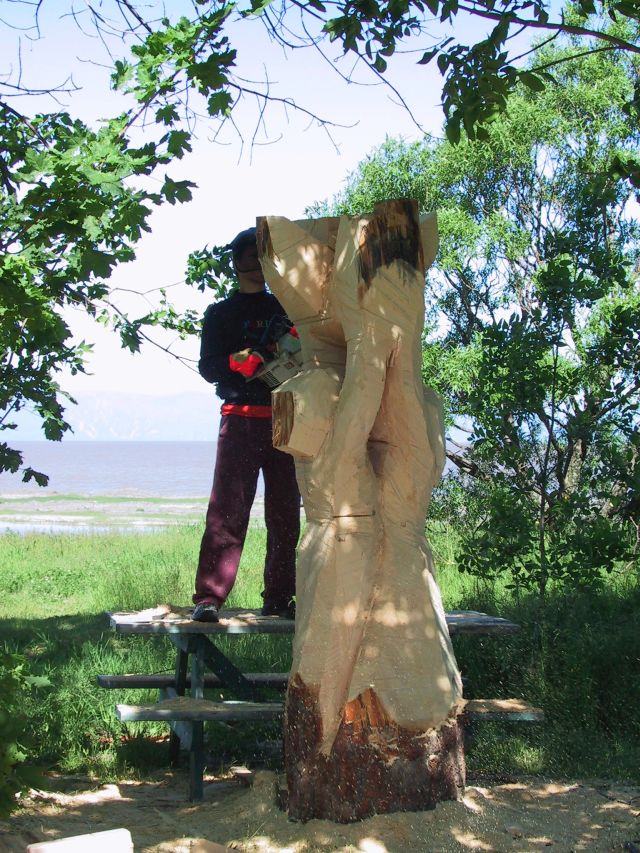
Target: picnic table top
{"x": 169, "y": 619}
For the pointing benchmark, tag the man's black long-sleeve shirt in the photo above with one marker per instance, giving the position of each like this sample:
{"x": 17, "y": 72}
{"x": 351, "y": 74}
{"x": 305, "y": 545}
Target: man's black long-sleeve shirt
{"x": 229, "y": 326}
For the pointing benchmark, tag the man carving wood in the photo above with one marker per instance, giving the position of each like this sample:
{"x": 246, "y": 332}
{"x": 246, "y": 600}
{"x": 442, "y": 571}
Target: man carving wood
{"x": 371, "y": 715}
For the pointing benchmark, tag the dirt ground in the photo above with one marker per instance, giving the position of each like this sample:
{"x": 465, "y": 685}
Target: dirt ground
{"x": 507, "y": 817}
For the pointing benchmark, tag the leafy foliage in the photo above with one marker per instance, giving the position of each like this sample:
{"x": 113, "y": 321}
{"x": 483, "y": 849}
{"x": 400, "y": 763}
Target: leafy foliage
{"x": 71, "y": 203}
{"x": 15, "y": 685}
{"x": 212, "y": 268}
{"x": 73, "y": 206}
{"x": 539, "y": 356}
{"x": 190, "y": 52}
{"x": 479, "y": 78}
{"x": 68, "y": 214}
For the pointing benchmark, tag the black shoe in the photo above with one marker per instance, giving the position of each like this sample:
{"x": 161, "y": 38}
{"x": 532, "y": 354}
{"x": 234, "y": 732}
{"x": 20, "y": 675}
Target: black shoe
{"x": 287, "y": 612}
{"x": 205, "y": 612}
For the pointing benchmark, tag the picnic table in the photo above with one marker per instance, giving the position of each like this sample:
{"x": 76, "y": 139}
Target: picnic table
{"x": 201, "y": 664}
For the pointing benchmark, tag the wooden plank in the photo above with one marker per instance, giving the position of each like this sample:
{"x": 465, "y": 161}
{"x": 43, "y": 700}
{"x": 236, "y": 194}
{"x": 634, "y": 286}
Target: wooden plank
{"x": 165, "y": 620}
{"x": 185, "y": 708}
{"x": 183, "y": 732}
{"x": 243, "y": 775}
{"x": 196, "y": 761}
{"x": 111, "y": 841}
{"x": 161, "y": 680}
{"x": 474, "y": 622}
{"x": 504, "y": 710}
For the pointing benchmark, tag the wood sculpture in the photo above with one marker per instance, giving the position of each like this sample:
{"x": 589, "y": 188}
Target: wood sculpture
{"x": 374, "y": 694}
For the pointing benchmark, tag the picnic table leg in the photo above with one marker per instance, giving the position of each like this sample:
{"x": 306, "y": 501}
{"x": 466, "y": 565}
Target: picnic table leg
{"x": 230, "y": 675}
{"x": 196, "y": 754}
{"x": 181, "y": 681}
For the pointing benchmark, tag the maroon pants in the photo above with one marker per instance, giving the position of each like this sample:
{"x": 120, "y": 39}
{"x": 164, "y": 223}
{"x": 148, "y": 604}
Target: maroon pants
{"x": 244, "y": 448}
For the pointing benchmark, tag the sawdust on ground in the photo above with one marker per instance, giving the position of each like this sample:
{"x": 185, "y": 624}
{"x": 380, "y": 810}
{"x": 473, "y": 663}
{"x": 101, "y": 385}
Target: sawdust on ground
{"x": 509, "y": 817}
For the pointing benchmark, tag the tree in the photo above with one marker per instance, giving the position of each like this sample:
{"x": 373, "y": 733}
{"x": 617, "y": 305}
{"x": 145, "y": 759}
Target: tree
{"x": 68, "y": 215}
{"x": 538, "y": 354}
{"x": 170, "y": 69}
{"x": 74, "y": 201}
{"x": 478, "y": 79}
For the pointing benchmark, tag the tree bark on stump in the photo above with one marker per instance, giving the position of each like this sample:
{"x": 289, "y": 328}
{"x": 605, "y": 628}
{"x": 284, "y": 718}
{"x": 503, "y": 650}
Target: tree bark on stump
{"x": 371, "y": 718}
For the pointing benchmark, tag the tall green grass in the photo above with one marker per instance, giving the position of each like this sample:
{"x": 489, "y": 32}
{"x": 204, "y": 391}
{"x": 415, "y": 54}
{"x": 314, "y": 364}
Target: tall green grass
{"x": 577, "y": 655}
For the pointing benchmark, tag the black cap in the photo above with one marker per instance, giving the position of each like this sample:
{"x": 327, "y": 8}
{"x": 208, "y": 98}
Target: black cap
{"x": 241, "y": 241}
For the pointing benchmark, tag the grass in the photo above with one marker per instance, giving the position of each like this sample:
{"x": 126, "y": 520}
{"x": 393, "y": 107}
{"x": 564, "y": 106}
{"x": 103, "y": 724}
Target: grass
{"x": 55, "y": 592}
{"x": 577, "y": 655}
{"x": 97, "y": 499}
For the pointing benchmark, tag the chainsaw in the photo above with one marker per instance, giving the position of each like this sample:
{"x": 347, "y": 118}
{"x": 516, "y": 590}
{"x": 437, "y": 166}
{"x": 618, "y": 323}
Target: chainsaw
{"x": 283, "y": 353}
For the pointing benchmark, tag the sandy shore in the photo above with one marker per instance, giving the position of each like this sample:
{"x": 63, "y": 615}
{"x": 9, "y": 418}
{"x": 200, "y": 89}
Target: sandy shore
{"x": 60, "y": 513}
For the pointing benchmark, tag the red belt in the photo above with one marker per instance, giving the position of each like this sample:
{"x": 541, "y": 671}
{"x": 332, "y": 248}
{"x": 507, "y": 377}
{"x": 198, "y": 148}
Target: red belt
{"x": 246, "y": 411}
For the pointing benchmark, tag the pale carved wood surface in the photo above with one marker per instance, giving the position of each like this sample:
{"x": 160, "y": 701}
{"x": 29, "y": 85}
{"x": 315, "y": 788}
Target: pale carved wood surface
{"x": 368, "y": 442}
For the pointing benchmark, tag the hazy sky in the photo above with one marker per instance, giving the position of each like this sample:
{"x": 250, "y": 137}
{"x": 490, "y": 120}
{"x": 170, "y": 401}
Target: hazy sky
{"x": 292, "y": 163}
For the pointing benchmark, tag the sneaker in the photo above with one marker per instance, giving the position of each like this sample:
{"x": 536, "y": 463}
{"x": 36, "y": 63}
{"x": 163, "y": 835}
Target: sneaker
{"x": 206, "y": 611}
{"x": 287, "y": 612}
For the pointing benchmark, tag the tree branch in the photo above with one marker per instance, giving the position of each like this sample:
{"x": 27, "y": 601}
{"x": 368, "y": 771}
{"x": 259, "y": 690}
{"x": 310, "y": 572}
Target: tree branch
{"x": 133, "y": 11}
{"x": 464, "y": 464}
{"x": 188, "y": 362}
{"x": 25, "y": 121}
{"x": 562, "y": 27}
{"x": 287, "y": 102}
{"x": 606, "y": 49}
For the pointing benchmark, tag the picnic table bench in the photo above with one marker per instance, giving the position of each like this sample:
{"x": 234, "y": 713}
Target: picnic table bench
{"x": 200, "y": 664}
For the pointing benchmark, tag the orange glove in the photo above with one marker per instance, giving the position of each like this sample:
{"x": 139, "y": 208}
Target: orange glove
{"x": 245, "y": 362}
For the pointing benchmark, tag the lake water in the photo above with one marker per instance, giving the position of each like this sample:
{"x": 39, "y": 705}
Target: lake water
{"x": 116, "y": 468}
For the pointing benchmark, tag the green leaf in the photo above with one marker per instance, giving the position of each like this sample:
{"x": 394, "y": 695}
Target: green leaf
{"x": 258, "y": 6}
{"x": 174, "y": 191}
{"x": 427, "y": 56}
{"x": 380, "y": 64}
{"x": 37, "y": 681}
{"x": 178, "y": 141}
{"x": 40, "y": 478}
{"x": 531, "y": 81}
{"x": 219, "y": 104}
{"x": 167, "y": 114}
{"x": 452, "y": 130}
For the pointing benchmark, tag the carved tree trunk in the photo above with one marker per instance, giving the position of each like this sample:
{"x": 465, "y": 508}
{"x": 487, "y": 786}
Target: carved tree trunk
{"x": 371, "y": 712}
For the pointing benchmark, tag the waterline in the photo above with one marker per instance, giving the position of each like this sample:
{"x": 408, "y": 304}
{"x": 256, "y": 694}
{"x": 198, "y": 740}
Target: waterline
{"x": 106, "y": 514}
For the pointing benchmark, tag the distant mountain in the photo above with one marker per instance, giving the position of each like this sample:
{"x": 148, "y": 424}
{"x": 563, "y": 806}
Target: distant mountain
{"x": 124, "y": 416}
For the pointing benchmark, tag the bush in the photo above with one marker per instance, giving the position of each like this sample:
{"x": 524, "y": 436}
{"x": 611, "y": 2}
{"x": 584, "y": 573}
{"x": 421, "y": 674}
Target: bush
{"x": 15, "y": 775}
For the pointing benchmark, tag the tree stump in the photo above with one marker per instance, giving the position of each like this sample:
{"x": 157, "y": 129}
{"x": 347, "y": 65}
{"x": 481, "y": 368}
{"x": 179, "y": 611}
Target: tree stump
{"x": 371, "y": 711}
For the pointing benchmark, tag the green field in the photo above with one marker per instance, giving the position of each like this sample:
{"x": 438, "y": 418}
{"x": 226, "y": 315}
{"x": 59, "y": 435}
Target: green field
{"x": 578, "y": 656}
